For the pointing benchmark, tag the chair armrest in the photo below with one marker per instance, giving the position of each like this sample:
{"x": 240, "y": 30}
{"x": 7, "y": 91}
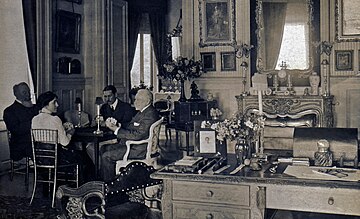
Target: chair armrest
{"x": 128, "y": 147}
{"x": 73, "y": 201}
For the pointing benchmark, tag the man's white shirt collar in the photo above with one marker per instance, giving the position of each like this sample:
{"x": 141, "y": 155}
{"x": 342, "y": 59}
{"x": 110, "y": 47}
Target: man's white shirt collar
{"x": 145, "y": 108}
{"x": 114, "y": 104}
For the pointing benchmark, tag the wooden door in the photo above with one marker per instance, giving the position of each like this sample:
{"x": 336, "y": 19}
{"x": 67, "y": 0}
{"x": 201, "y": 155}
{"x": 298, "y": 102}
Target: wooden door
{"x": 117, "y": 47}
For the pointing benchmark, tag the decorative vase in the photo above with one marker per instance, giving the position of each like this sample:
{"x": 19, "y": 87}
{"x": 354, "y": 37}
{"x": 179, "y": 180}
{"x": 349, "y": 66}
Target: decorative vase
{"x": 182, "y": 91}
{"x": 241, "y": 150}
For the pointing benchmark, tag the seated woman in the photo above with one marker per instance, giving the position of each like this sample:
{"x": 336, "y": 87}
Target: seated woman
{"x": 47, "y": 119}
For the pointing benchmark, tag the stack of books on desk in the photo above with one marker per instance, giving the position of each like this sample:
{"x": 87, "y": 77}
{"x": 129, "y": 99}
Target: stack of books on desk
{"x": 301, "y": 161}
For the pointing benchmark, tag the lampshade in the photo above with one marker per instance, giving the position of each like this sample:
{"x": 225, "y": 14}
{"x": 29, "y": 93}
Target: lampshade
{"x": 78, "y": 100}
{"x": 99, "y": 101}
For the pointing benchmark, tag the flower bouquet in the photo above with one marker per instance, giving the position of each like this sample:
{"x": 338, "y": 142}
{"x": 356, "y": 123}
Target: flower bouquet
{"x": 182, "y": 69}
{"x": 215, "y": 113}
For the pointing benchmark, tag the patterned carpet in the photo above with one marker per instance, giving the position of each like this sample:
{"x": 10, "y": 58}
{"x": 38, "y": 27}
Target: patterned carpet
{"x": 18, "y": 208}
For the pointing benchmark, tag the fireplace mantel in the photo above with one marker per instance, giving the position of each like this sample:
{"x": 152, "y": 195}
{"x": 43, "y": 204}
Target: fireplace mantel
{"x": 291, "y": 106}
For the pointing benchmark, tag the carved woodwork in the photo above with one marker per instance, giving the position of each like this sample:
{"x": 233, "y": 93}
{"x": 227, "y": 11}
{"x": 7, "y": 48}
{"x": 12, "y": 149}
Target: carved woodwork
{"x": 292, "y": 107}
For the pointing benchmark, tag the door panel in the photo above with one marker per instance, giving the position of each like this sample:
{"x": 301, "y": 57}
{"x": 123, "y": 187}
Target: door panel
{"x": 117, "y": 44}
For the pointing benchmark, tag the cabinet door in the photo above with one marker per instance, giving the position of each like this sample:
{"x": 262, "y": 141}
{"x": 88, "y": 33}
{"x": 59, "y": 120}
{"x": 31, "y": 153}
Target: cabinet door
{"x": 117, "y": 50}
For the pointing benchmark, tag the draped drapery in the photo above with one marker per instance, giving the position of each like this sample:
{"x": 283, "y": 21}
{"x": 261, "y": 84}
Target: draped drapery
{"x": 134, "y": 26}
{"x": 274, "y": 15}
{"x": 158, "y": 36}
{"x": 29, "y": 14}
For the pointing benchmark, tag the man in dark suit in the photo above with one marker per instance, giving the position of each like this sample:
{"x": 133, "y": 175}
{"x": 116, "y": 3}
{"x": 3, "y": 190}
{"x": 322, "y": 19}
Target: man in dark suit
{"x": 137, "y": 129}
{"x": 17, "y": 118}
{"x": 115, "y": 108}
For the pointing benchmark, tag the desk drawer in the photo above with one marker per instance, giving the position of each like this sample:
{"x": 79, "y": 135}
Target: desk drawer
{"x": 314, "y": 199}
{"x": 211, "y": 193}
{"x": 186, "y": 211}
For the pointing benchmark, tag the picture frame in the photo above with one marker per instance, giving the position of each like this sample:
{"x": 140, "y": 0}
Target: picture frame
{"x": 347, "y": 21}
{"x": 217, "y": 22}
{"x": 208, "y": 60}
{"x": 207, "y": 141}
{"x": 344, "y": 60}
{"x": 228, "y": 61}
{"x": 67, "y": 32}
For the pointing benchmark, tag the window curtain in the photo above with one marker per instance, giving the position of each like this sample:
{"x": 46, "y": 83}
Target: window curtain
{"x": 159, "y": 38}
{"x": 29, "y": 14}
{"x": 274, "y": 15}
{"x": 134, "y": 26}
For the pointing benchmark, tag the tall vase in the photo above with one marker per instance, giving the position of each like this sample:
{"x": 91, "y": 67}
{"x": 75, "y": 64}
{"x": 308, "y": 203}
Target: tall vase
{"x": 182, "y": 91}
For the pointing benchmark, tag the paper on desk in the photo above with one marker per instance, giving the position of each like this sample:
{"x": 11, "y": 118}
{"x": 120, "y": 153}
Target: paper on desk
{"x": 305, "y": 172}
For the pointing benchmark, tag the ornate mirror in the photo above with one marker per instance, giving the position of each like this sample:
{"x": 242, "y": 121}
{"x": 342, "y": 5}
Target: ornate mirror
{"x": 285, "y": 33}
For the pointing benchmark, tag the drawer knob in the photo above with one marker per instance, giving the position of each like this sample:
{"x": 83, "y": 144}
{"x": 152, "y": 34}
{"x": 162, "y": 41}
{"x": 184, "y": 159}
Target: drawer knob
{"x": 209, "y": 216}
{"x": 331, "y": 201}
{"x": 209, "y": 194}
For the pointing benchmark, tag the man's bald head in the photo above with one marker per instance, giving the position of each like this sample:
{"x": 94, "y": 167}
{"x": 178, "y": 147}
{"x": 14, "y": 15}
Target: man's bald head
{"x": 143, "y": 98}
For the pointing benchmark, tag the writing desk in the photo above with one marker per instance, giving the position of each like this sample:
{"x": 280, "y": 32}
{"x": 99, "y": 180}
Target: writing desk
{"x": 87, "y": 135}
{"x": 247, "y": 194}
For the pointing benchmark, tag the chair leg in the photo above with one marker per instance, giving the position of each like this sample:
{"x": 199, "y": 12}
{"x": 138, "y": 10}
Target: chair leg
{"x": 77, "y": 176}
{"x": 34, "y": 186}
{"x": 54, "y": 190}
{"x": 27, "y": 174}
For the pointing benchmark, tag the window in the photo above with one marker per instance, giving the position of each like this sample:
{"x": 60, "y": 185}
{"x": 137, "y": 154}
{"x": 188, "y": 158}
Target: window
{"x": 144, "y": 65}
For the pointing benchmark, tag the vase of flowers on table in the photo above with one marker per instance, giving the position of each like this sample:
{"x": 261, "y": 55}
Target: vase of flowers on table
{"x": 215, "y": 113}
{"x": 182, "y": 69}
{"x": 244, "y": 129}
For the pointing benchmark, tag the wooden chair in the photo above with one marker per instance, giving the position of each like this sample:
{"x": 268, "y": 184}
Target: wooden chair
{"x": 20, "y": 167}
{"x": 45, "y": 156}
{"x": 113, "y": 200}
{"x": 151, "y": 148}
{"x": 166, "y": 109}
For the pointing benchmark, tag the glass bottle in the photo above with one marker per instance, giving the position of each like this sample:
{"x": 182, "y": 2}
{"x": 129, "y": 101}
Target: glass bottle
{"x": 323, "y": 157}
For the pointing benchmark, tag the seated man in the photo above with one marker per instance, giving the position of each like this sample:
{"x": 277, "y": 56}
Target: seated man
{"x": 115, "y": 108}
{"x": 17, "y": 118}
{"x": 137, "y": 129}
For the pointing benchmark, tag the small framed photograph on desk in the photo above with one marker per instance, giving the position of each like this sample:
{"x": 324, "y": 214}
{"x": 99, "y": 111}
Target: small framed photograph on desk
{"x": 207, "y": 141}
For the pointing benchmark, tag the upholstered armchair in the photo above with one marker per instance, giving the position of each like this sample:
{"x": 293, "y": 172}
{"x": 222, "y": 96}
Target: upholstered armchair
{"x": 125, "y": 197}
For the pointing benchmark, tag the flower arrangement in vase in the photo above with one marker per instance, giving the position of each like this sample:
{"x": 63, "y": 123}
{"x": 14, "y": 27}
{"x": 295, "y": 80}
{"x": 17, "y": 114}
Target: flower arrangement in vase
{"x": 215, "y": 113}
{"x": 182, "y": 69}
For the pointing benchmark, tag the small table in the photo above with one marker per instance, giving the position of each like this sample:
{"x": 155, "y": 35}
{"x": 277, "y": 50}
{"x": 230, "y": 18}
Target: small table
{"x": 87, "y": 135}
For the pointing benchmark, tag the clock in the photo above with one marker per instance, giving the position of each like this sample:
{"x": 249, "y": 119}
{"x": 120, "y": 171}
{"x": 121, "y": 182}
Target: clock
{"x": 282, "y": 74}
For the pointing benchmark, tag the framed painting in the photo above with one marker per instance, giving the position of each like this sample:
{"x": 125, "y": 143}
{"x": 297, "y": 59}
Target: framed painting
{"x": 217, "y": 22}
{"x": 344, "y": 60}
{"x": 209, "y": 61}
{"x": 67, "y": 32}
{"x": 228, "y": 61}
{"x": 347, "y": 20}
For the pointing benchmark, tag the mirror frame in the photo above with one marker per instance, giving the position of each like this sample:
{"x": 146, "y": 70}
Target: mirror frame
{"x": 300, "y": 77}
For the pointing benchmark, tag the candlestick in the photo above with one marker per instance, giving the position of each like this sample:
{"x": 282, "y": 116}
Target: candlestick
{"x": 260, "y": 102}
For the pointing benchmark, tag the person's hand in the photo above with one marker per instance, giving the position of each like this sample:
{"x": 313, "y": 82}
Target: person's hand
{"x": 69, "y": 128}
{"x": 112, "y": 125}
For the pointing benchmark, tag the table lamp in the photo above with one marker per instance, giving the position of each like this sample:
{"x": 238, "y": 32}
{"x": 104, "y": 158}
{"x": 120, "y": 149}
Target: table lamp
{"x": 98, "y": 102}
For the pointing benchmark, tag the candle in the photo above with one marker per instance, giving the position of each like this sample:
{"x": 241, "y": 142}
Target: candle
{"x": 260, "y": 102}
{"x": 79, "y": 107}
{"x": 98, "y": 110}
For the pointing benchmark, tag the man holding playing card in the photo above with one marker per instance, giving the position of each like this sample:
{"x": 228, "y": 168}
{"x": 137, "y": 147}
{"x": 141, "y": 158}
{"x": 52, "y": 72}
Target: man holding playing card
{"x": 137, "y": 129}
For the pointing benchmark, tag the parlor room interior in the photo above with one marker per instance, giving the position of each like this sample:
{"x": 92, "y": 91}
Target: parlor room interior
{"x": 257, "y": 100}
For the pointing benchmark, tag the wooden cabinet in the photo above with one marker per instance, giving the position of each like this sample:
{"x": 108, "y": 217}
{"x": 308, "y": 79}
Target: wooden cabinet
{"x": 210, "y": 200}
{"x": 329, "y": 200}
{"x": 190, "y": 111}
